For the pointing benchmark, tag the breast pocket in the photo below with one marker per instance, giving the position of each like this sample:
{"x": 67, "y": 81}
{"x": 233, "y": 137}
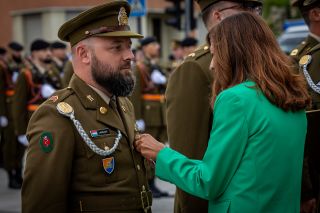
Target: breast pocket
{"x": 102, "y": 169}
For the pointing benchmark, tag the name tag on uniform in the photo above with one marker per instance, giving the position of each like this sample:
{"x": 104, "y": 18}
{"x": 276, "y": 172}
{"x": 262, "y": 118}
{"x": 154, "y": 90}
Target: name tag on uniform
{"x": 99, "y": 132}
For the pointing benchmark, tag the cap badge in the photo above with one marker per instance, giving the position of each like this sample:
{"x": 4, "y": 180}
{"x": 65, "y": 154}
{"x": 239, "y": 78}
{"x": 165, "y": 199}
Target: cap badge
{"x": 122, "y": 17}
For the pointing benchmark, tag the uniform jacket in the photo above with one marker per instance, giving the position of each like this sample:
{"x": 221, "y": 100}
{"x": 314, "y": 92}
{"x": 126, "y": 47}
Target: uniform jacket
{"x": 308, "y": 43}
{"x": 151, "y": 110}
{"x": 73, "y": 172}
{"x": 249, "y": 157}
{"x": 311, "y": 172}
{"x": 28, "y": 94}
{"x": 188, "y": 93}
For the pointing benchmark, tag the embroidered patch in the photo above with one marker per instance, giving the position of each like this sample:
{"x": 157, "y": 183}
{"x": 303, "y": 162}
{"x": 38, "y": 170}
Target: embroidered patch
{"x": 99, "y": 133}
{"x": 46, "y": 142}
{"x": 54, "y": 98}
{"x": 108, "y": 164}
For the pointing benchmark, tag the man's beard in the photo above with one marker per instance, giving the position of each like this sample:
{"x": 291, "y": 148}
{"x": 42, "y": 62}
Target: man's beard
{"x": 115, "y": 80}
{"x": 17, "y": 59}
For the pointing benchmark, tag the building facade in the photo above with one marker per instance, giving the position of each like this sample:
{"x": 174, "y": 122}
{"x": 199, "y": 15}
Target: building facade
{"x": 26, "y": 20}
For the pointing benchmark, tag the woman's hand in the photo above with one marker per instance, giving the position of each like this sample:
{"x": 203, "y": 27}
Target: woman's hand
{"x": 148, "y": 146}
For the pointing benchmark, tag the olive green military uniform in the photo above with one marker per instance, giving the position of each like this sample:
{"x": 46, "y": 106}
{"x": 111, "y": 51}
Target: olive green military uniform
{"x": 12, "y": 150}
{"x": 74, "y": 173}
{"x": 148, "y": 101}
{"x": 303, "y": 48}
{"x": 311, "y": 172}
{"x": 189, "y": 116}
{"x": 67, "y": 73}
{"x": 81, "y": 141}
{"x": 28, "y": 96}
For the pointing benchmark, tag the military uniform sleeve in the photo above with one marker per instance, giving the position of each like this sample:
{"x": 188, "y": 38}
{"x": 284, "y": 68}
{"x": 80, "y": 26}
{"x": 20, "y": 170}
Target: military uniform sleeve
{"x": 47, "y": 174}
{"x": 19, "y": 107}
{"x": 209, "y": 178}
{"x": 188, "y": 109}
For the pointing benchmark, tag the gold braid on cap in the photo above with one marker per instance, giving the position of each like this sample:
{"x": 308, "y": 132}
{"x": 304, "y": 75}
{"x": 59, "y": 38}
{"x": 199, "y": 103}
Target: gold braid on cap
{"x": 107, "y": 30}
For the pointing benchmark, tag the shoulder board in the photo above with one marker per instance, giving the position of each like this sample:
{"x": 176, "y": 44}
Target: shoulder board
{"x": 200, "y": 51}
{"x": 314, "y": 49}
{"x": 60, "y": 95}
{"x": 297, "y": 50}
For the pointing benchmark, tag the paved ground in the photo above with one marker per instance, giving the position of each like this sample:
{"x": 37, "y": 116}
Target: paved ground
{"x": 10, "y": 199}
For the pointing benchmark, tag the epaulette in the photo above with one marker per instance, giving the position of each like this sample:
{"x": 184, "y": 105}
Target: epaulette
{"x": 60, "y": 95}
{"x": 313, "y": 49}
{"x": 200, "y": 51}
{"x": 297, "y": 50}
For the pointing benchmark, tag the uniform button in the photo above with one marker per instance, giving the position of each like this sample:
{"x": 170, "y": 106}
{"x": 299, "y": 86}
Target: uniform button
{"x": 138, "y": 167}
{"x": 103, "y": 110}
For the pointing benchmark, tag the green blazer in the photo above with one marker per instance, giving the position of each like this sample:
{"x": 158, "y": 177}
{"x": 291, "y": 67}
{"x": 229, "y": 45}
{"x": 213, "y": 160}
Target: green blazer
{"x": 254, "y": 157}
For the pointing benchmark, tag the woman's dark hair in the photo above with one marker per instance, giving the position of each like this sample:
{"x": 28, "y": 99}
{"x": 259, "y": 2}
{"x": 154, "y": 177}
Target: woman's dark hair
{"x": 244, "y": 48}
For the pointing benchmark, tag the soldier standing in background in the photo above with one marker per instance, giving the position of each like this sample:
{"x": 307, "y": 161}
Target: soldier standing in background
{"x": 35, "y": 84}
{"x": 16, "y": 61}
{"x": 81, "y": 139}
{"x": 59, "y": 55}
{"x": 307, "y": 54}
{"x": 310, "y": 12}
{"x": 12, "y": 150}
{"x": 148, "y": 99}
{"x": 176, "y": 56}
{"x": 189, "y": 92}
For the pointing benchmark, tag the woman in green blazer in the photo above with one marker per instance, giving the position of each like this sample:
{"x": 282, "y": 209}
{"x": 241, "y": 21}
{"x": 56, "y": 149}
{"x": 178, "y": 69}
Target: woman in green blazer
{"x": 253, "y": 161}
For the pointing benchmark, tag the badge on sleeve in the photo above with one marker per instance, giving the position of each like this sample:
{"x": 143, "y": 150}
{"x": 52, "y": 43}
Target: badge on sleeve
{"x": 46, "y": 142}
{"x": 108, "y": 164}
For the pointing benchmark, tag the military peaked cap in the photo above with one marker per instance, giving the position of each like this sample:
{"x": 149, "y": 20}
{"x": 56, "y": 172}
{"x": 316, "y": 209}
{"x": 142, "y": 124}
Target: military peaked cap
{"x": 305, "y": 4}
{"x": 204, "y": 4}
{"x": 106, "y": 20}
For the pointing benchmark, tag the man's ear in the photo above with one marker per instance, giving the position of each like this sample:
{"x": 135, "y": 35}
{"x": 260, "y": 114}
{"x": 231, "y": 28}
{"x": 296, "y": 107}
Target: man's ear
{"x": 84, "y": 53}
{"x": 217, "y": 16}
{"x": 314, "y": 14}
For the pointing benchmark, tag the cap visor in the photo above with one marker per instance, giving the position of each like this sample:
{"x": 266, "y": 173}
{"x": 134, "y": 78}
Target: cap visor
{"x": 128, "y": 34}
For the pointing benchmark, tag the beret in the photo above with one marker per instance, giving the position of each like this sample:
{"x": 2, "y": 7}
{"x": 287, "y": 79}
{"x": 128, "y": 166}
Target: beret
{"x": 39, "y": 44}
{"x": 15, "y": 46}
